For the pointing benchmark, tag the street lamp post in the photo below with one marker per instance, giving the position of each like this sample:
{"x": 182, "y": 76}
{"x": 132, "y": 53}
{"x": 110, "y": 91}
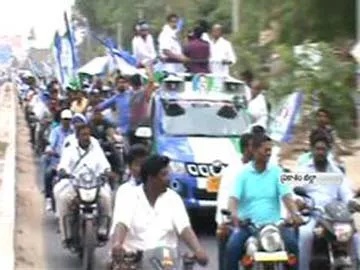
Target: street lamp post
{"x": 235, "y": 15}
{"x": 357, "y": 20}
{"x": 357, "y": 93}
{"x": 140, "y": 11}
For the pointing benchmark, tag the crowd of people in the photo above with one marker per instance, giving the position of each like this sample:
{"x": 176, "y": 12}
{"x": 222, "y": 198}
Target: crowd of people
{"x": 85, "y": 124}
{"x": 79, "y": 130}
{"x": 202, "y": 52}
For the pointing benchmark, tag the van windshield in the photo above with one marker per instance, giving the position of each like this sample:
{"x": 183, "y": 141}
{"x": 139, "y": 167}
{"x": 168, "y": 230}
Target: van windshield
{"x": 203, "y": 118}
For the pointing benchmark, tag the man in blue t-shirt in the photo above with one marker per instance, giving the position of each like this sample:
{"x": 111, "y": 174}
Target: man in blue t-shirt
{"x": 257, "y": 195}
{"x": 122, "y": 103}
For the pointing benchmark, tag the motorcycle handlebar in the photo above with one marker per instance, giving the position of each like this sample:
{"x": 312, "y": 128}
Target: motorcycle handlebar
{"x": 248, "y": 222}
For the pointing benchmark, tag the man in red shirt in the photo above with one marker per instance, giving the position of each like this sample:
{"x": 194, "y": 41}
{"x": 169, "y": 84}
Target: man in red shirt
{"x": 198, "y": 51}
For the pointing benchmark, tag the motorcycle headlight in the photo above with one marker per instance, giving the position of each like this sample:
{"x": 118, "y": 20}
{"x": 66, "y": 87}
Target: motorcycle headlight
{"x": 177, "y": 167}
{"x": 87, "y": 195}
{"x": 270, "y": 239}
{"x": 343, "y": 232}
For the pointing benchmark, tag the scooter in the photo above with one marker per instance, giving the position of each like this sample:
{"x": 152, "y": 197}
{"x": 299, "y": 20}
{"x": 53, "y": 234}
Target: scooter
{"x": 332, "y": 247}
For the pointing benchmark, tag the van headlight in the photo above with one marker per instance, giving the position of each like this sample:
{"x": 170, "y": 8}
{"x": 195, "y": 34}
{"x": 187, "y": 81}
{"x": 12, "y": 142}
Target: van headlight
{"x": 87, "y": 195}
{"x": 270, "y": 238}
{"x": 177, "y": 167}
{"x": 343, "y": 232}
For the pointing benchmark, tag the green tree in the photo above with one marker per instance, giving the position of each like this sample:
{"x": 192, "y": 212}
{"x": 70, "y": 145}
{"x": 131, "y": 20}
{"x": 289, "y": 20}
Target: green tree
{"x": 327, "y": 85}
{"x": 316, "y": 20}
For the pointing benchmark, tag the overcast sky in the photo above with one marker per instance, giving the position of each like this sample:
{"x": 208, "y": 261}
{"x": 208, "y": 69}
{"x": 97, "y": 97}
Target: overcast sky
{"x": 46, "y": 16}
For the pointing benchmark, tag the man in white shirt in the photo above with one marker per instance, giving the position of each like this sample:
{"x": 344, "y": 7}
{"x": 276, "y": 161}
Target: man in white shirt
{"x": 136, "y": 35}
{"x": 170, "y": 49}
{"x": 257, "y": 106}
{"x": 143, "y": 46}
{"x": 222, "y": 53}
{"x": 135, "y": 158}
{"x": 78, "y": 159}
{"x": 226, "y": 186}
{"x": 154, "y": 216}
{"x": 79, "y": 120}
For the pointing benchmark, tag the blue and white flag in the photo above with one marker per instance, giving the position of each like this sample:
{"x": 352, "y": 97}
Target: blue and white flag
{"x": 111, "y": 46}
{"x": 57, "y": 51}
{"x": 66, "y": 61}
{"x": 72, "y": 43}
{"x": 286, "y": 116}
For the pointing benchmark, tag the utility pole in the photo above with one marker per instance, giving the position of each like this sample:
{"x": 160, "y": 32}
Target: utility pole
{"x": 168, "y": 9}
{"x": 235, "y": 15}
{"x": 119, "y": 34}
{"x": 140, "y": 11}
{"x": 357, "y": 20}
{"x": 357, "y": 93}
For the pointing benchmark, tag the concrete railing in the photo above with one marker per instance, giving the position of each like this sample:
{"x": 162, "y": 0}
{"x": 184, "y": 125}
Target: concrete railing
{"x": 8, "y": 176}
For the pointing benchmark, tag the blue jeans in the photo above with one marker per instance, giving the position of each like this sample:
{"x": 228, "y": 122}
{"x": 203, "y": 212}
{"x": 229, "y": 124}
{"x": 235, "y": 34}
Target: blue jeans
{"x": 235, "y": 247}
{"x": 221, "y": 253}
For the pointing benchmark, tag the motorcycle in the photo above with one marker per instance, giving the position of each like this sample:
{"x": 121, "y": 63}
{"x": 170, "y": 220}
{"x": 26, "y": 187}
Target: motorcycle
{"x": 265, "y": 249}
{"x": 333, "y": 233}
{"x": 34, "y": 126}
{"x": 161, "y": 258}
{"x": 51, "y": 171}
{"x": 83, "y": 225}
{"x": 120, "y": 148}
{"x": 42, "y": 138}
{"x": 117, "y": 162}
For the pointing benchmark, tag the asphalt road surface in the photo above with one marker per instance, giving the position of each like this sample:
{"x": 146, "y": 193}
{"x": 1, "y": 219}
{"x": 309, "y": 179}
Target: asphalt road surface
{"x": 59, "y": 258}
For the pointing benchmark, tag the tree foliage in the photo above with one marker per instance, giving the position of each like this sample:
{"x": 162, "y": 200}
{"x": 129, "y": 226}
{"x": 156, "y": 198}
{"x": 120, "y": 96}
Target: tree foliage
{"x": 307, "y": 19}
{"x": 326, "y": 86}
{"x": 298, "y": 21}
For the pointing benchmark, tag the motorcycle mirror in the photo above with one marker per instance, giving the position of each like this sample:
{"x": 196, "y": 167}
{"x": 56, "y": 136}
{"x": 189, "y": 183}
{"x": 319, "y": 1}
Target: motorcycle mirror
{"x": 354, "y": 206}
{"x": 300, "y": 191}
{"x": 225, "y": 212}
{"x": 286, "y": 170}
{"x": 143, "y": 132}
{"x": 306, "y": 212}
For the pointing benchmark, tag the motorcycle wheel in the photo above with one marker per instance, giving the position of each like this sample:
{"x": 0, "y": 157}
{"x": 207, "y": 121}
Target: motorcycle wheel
{"x": 89, "y": 245}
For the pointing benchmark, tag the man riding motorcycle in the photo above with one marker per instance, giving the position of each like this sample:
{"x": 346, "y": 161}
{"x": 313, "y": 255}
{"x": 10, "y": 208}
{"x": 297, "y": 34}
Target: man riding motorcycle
{"x": 322, "y": 194}
{"x": 226, "y": 184}
{"x": 74, "y": 157}
{"x": 79, "y": 120}
{"x": 105, "y": 133}
{"x": 323, "y": 123}
{"x": 148, "y": 222}
{"x": 80, "y": 102}
{"x": 261, "y": 205}
{"x": 53, "y": 153}
{"x": 122, "y": 102}
{"x": 136, "y": 156}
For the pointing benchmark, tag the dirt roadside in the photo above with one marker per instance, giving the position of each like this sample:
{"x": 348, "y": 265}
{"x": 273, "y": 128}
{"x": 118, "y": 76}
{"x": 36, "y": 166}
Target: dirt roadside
{"x": 30, "y": 252}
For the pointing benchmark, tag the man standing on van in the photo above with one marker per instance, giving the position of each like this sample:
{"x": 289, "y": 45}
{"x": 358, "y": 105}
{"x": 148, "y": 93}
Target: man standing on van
{"x": 198, "y": 51}
{"x": 170, "y": 49}
{"x": 222, "y": 53}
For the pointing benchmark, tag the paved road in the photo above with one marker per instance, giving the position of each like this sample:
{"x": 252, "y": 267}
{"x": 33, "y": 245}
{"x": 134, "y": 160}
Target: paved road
{"x": 60, "y": 259}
